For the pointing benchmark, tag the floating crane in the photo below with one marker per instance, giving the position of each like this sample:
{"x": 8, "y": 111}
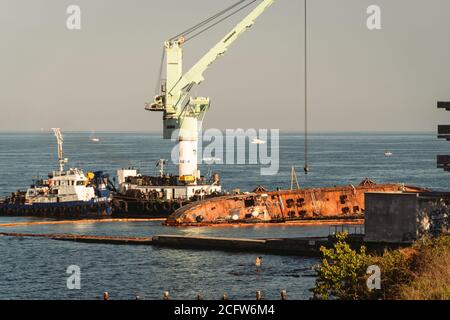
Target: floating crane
{"x": 182, "y": 113}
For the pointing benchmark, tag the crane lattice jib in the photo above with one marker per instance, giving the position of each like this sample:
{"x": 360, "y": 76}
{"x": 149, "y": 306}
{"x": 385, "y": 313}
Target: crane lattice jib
{"x": 195, "y": 74}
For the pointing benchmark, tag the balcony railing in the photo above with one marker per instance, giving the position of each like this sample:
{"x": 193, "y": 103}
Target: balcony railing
{"x": 443, "y": 161}
{"x": 444, "y": 105}
{"x": 444, "y": 132}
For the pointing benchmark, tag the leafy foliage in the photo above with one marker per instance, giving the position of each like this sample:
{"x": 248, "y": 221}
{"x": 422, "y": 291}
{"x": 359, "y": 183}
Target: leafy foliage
{"x": 418, "y": 272}
{"x": 342, "y": 272}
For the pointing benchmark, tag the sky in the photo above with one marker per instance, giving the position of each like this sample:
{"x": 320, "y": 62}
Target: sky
{"x": 98, "y": 78}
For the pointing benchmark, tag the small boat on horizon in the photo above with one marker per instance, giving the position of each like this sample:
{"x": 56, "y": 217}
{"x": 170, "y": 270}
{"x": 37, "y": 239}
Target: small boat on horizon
{"x": 258, "y": 141}
{"x": 388, "y": 154}
{"x": 94, "y": 138}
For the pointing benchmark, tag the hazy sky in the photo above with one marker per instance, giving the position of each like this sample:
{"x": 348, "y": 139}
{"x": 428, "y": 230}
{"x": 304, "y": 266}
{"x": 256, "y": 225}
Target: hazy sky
{"x": 98, "y": 78}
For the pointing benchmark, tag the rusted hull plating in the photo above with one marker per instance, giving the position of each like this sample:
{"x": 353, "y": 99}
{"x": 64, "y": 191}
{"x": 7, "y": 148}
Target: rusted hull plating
{"x": 285, "y": 205}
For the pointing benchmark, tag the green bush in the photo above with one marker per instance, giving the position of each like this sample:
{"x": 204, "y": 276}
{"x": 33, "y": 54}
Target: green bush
{"x": 419, "y": 272}
{"x": 342, "y": 272}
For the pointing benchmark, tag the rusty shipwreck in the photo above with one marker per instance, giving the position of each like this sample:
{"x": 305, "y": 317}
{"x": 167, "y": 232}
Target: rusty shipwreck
{"x": 262, "y": 206}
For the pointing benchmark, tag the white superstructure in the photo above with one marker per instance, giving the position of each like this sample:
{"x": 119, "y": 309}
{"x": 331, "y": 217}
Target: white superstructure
{"x": 62, "y": 185}
{"x": 162, "y": 188}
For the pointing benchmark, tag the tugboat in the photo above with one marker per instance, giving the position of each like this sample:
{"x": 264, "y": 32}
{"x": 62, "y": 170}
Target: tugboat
{"x": 65, "y": 193}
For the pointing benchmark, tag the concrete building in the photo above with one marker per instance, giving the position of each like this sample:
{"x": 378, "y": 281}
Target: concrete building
{"x": 390, "y": 217}
{"x": 404, "y": 217}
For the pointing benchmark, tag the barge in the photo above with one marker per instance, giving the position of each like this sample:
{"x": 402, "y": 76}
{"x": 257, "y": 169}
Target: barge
{"x": 143, "y": 196}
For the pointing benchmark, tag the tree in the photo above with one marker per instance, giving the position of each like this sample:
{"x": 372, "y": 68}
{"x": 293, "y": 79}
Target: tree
{"x": 342, "y": 274}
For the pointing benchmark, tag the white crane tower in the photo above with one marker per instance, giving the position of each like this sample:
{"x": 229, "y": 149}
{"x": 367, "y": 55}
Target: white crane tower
{"x": 181, "y": 111}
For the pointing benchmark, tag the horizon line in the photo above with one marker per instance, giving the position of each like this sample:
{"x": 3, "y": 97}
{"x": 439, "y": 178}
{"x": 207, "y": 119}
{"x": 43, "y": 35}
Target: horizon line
{"x": 281, "y": 130}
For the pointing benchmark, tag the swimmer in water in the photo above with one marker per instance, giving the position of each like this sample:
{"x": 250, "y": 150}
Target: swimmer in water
{"x": 258, "y": 262}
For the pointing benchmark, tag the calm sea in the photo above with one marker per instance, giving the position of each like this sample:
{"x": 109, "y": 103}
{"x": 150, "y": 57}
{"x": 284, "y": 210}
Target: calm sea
{"x": 36, "y": 268}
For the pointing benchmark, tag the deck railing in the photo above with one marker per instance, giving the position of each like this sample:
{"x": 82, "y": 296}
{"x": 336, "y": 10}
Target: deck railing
{"x": 349, "y": 229}
{"x": 443, "y": 161}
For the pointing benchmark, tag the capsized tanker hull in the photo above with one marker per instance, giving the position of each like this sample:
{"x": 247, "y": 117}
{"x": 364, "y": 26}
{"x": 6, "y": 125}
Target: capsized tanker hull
{"x": 341, "y": 202}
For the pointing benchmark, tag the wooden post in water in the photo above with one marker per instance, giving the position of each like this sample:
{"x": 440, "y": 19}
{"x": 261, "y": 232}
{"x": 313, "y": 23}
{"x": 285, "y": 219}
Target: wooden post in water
{"x": 225, "y": 296}
{"x": 283, "y": 295}
{"x": 258, "y": 295}
{"x": 105, "y": 295}
{"x": 199, "y": 296}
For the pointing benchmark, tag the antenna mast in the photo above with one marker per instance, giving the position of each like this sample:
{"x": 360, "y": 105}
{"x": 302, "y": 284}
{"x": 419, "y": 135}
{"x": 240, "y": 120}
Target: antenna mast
{"x": 60, "y": 140}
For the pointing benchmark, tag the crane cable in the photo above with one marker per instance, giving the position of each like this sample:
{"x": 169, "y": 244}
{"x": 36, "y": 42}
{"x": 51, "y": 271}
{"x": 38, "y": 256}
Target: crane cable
{"x": 198, "y": 26}
{"x": 206, "y": 21}
{"x": 161, "y": 70}
{"x": 306, "y": 168}
{"x": 219, "y": 21}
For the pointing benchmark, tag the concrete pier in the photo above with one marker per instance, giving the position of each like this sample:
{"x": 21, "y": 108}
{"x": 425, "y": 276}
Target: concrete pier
{"x": 281, "y": 246}
{"x": 286, "y": 246}
{"x": 211, "y": 243}
{"x": 289, "y": 246}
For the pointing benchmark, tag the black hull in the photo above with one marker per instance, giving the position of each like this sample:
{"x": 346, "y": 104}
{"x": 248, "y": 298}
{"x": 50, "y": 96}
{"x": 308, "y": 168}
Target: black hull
{"x": 128, "y": 207}
{"x": 70, "y": 210}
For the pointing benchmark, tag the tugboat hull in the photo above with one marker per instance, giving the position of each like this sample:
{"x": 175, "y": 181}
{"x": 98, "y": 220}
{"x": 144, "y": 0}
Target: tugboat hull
{"x": 71, "y": 209}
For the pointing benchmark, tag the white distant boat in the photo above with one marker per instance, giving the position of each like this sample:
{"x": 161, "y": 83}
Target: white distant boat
{"x": 211, "y": 160}
{"x": 93, "y": 138}
{"x": 258, "y": 141}
{"x": 388, "y": 154}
